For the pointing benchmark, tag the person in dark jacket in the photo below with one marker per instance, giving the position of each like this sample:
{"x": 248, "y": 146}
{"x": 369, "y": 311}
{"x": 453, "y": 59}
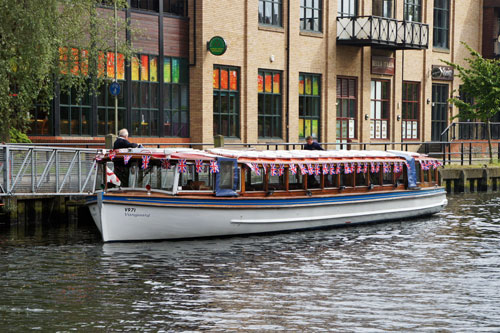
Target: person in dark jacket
{"x": 122, "y": 140}
{"x": 311, "y": 144}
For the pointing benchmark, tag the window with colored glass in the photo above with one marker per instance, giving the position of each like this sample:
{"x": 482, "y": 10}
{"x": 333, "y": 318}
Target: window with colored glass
{"x": 309, "y": 105}
{"x": 347, "y": 8}
{"x": 311, "y": 15}
{"x": 411, "y": 110}
{"x": 379, "y": 109}
{"x": 413, "y": 10}
{"x": 145, "y": 91}
{"x": 226, "y": 101}
{"x": 346, "y": 108}
{"x": 270, "y": 107}
{"x": 270, "y": 12}
{"x": 175, "y": 97}
{"x": 441, "y": 21}
{"x": 150, "y": 5}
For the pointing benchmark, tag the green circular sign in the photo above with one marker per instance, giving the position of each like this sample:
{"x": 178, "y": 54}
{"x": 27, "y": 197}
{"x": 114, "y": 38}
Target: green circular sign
{"x": 217, "y": 46}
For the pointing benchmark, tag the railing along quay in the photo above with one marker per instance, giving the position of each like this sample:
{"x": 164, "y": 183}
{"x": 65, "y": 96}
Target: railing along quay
{"x": 47, "y": 171}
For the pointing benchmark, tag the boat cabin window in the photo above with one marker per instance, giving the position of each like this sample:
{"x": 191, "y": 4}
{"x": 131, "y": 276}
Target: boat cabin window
{"x": 331, "y": 181}
{"x": 361, "y": 179}
{"x": 417, "y": 171}
{"x": 375, "y": 178}
{"x": 226, "y": 175}
{"x": 154, "y": 176}
{"x": 254, "y": 182}
{"x": 388, "y": 178}
{"x": 346, "y": 180}
{"x": 277, "y": 183}
{"x": 196, "y": 181}
{"x": 313, "y": 181}
{"x": 295, "y": 181}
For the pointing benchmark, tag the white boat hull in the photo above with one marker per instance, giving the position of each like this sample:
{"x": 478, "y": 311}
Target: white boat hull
{"x": 134, "y": 219}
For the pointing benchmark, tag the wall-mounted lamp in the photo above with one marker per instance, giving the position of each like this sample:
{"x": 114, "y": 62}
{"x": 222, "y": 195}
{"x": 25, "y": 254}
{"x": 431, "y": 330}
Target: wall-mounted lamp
{"x": 428, "y": 101}
{"x": 398, "y": 117}
{"x": 271, "y": 58}
{"x": 366, "y": 117}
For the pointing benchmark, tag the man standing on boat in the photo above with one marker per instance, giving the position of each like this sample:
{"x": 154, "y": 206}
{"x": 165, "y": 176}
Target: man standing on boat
{"x": 311, "y": 144}
{"x": 122, "y": 140}
{"x": 312, "y": 180}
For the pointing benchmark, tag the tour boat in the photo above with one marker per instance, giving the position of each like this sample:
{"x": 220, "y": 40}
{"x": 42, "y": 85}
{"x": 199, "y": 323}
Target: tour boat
{"x": 154, "y": 194}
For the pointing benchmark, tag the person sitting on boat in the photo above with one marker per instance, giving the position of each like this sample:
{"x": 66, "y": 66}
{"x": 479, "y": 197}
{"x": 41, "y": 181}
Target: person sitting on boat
{"x": 122, "y": 141}
{"x": 311, "y": 144}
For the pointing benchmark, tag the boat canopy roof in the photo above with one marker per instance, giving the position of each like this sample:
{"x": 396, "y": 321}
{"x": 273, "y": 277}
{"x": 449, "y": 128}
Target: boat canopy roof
{"x": 267, "y": 156}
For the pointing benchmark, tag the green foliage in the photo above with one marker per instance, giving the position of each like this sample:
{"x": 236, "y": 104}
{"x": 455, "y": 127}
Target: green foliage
{"x": 481, "y": 81}
{"x": 18, "y": 137}
{"x": 31, "y": 34}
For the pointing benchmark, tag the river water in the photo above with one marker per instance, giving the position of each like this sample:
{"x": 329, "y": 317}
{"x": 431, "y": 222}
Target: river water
{"x": 439, "y": 273}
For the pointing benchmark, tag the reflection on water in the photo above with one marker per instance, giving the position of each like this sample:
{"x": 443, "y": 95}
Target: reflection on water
{"x": 437, "y": 273}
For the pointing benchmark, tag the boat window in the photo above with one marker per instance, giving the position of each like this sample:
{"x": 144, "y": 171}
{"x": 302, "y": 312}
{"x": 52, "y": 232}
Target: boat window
{"x": 144, "y": 177}
{"x": 99, "y": 182}
{"x": 196, "y": 181}
{"x": 253, "y": 181}
{"x": 400, "y": 176}
{"x": 426, "y": 176}
{"x": 167, "y": 179}
{"x": 417, "y": 168}
{"x": 295, "y": 181}
{"x": 388, "y": 180}
{"x": 277, "y": 183}
{"x": 331, "y": 181}
{"x": 375, "y": 178}
{"x": 360, "y": 179}
{"x": 346, "y": 180}
{"x": 313, "y": 181}
{"x": 226, "y": 175}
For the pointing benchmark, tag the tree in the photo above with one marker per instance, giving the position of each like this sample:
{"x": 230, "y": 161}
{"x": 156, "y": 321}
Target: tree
{"x": 481, "y": 82}
{"x": 35, "y": 35}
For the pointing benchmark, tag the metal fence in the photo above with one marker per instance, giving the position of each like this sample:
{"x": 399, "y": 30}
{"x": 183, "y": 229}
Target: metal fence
{"x": 36, "y": 170}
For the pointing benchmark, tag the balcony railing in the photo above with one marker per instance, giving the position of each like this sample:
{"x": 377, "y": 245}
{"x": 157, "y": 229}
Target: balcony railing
{"x": 382, "y": 32}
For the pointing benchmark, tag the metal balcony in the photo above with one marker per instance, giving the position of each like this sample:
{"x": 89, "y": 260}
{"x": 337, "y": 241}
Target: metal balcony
{"x": 382, "y": 32}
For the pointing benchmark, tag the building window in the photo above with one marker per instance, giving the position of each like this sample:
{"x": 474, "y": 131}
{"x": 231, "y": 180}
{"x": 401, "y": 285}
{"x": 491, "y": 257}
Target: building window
{"x": 347, "y": 8}
{"x": 75, "y": 113}
{"x": 270, "y": 12}
{"x": 383, "y": 8}
{"x": 411, "y": 110}
{"x": 152, "y": 5}
{"x": 346, "y": 108}
{"x": 145, "y": 90}
{"x": 310, "y": 15}
{"x": 226, "y": 101}
{"x": 309, "y": 105}
{"x": 269, "y": 89}
{"x": 413, "y": 10}
{"x": 176, "y": 97}
{"x": 40, "y": 123}
{"x": 176, "y": 7}
{"x": 106, "y": 109}
{"x": 441, "y": 23}
{"x": 379, "y": 113}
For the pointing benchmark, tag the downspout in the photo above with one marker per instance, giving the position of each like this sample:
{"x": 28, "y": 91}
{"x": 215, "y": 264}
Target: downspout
{"x": 288, "y": 72}
{"x": 193, "y": 64}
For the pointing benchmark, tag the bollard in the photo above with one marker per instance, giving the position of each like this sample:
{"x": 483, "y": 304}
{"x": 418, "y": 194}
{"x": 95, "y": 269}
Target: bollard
{"x": 219, "y": 141}
{"x": 110, "y": 140}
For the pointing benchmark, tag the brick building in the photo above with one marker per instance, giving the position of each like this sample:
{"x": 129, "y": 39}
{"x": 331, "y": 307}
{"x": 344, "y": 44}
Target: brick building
{"x": 339, "y": 70}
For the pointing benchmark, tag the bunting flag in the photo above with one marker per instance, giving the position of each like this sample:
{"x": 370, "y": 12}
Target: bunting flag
{"x": 396, "y": 167}
{"x": 365, "y": 167}
{"x": 293, "y": 169}
{"x": 332, "y": 169}
{"x": 303, "y": 169}
{"x": 358, "y": 168}
{"x": 281, "y": 170}
{"x": 126, "y": 158}
{"x": 214, "y": 167}
{"x": 255, "y": 168}
{"x": 317, "y": 170}
{"x": 145, "y": 161}
{"x": 165, "y": 163}
{"x": 347, "y": 168}
{"x": 264, "y": 168}
{"x": 199, "y": 166}
{"x": 424, "y": 165}
{"x": 182, "y": 166}
{"x": 274, "y": 170}
{"x": 377, "y": 168}
{"x": 112, "y": 155}
{"x": 437, "y": 164}
{"x": 337, "y": 169}
{"x": 326, "y": 169}
{"x": 386, "y": 167}
{"x": 310, "y": 169}
{"x": 373, "y": 167}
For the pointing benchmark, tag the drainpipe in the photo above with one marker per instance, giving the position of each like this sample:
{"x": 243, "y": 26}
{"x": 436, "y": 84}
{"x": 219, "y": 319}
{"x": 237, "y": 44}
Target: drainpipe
{"x": 288, "y": 72}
